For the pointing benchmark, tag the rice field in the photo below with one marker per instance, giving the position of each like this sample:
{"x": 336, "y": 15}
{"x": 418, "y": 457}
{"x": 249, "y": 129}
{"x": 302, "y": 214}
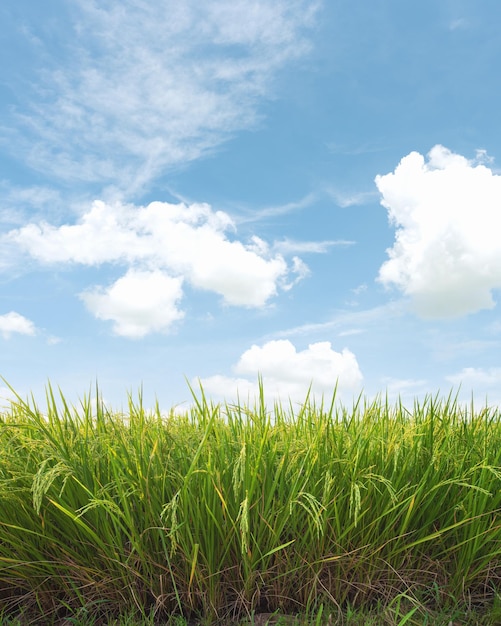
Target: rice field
{"x": 233, "y": 514}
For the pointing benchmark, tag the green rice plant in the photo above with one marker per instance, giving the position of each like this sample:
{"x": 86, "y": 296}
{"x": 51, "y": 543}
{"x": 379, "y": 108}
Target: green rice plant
{"x": 233, "y": 510}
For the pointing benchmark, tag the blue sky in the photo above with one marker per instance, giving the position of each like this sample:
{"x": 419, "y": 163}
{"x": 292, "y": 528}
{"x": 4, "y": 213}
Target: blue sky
{"x": 305, "y": 190}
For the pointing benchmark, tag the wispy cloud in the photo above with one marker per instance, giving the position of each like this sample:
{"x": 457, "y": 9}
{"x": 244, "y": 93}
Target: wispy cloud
{"x": 143, "y": 86}
{"x": 350, "y": 332}
{"x": 459, "y": 23}
{"x": 476, "y": 376}
{"x": 346, "y": 199}
{"x": 477, "y": 383}
{"x": 355, "y": 150}
{"x": 360, "y": 289}
{"x": 290, "y": 246}
{"x": 256, "y": 215}
{"x": 404, "y": 387}
{"x": 20, "y": 203}
{"x": 349, "y": 319}
{"x": 447, "y": 349}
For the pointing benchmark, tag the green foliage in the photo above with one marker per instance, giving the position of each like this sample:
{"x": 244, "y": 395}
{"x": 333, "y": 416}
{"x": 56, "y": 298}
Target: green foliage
{"x": 229, "y": 510}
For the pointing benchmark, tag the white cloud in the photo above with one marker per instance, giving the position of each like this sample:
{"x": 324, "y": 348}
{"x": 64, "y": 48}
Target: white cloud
{"x": 188, "y": 242}
{"x": 300, "y": 269}
{"x": 138, "y": 303}
{"x": 476, "y": 377}
{"x": 15, "y": 201}
{"x": 458, "y": 24}
{"x": 53, "y": 340}
{"x": 142, "y": 86}
{"x": 13, "y": 322}
{"x": 290, "y": 246}
{"x": 255, "y": 215}
{"x": 480, "y": 384}
{"x": 348, "y": 199}
{"x": 288, "y": 373}
{"x": 351, "y": 331}
{"x": 359, "y": 289}
{"x": 348, "y": 319}
{"x": 404, "y": 387}
{"x": 447, "y": 252}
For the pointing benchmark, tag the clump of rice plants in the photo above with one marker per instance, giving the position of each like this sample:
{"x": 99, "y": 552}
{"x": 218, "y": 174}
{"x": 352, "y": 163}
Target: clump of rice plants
{"x": 229, "y": 511}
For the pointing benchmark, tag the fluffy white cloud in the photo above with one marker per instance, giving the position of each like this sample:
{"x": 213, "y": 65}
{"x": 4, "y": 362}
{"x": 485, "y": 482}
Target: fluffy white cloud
{"x": 447, "y": 252}
{"x": 140, "y": 86}
{"x": 163, "y": 245}
{"x": 13, "y": 322}
{"x": 185, "y": 241}
{"x": 138, "y": 303}
{"x": 288, "y": 373}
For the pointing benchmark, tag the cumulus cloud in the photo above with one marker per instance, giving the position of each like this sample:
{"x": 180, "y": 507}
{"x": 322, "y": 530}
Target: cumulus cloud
{"x": 447, "y": 252}
{"x": 138, "y": 87}
{"x": 179, "y": 242}
{"x": 12, "y": 323}
{"x": 138, "y": 303}
{"x": 288, "y": 373}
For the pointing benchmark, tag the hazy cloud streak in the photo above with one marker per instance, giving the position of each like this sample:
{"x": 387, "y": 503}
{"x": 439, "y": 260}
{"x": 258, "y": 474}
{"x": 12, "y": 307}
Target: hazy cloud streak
{"x": 143, "y": 86}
